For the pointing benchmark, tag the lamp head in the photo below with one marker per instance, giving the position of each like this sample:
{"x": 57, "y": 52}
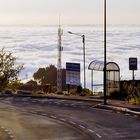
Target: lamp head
{"x": 69, "y": 32}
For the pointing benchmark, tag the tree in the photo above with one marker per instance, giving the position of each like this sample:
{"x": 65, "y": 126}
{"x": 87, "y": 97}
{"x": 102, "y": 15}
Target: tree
{"x": 48, "y": 75}
{"x": 31, "y": 82}
{"x": 9, "y": 70}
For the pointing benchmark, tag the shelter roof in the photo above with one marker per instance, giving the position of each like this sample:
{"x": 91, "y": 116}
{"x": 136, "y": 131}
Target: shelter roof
{"x": 99, "y": 66}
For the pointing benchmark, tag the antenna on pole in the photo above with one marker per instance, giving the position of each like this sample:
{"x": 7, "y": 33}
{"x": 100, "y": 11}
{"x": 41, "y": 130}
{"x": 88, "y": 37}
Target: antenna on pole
{"x": 59, "y": 50}
{"x": 59, "y": 20}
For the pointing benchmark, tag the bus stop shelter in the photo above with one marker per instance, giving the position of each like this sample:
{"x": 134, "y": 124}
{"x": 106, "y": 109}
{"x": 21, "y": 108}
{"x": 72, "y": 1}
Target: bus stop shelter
{"x": 112, "y": 74}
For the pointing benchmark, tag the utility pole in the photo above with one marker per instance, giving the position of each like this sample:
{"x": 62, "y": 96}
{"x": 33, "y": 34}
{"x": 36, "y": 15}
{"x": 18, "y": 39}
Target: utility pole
{"x": 84, "y": 54}
{"x": 105, "y": 53}
{"x": 59, "y": 67}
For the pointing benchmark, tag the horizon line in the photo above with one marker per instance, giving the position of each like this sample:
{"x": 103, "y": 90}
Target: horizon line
{"x": 53, "y": 25}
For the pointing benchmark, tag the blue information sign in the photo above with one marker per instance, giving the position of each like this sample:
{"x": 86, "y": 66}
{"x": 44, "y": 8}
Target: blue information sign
{"x": 73, "y": 73}
{"x": 73, "y": 67}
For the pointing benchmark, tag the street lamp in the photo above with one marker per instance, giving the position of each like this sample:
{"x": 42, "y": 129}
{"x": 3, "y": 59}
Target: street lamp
{"x": 83, "y": 40}
{"x": 105, "y": 53}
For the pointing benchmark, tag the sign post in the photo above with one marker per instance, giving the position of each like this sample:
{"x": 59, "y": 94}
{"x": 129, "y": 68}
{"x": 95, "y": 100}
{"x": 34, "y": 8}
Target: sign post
{"x": 72, "y": 74}
{"x": 133, "y": 66}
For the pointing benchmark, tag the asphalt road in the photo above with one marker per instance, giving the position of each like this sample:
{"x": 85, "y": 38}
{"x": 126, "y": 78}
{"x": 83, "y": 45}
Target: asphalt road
{"x": 55, "y": 119}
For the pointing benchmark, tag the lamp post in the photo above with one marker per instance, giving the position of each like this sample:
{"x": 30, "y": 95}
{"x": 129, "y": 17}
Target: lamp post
{"x": 105, "y": 53}
{"x": 83, "y": 41}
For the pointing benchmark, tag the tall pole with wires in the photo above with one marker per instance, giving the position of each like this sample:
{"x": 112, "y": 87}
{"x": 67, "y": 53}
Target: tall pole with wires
{"x": 59, "y": 67}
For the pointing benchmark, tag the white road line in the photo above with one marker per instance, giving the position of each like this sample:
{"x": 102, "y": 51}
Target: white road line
{"x": 72, "y": 122}
{"x": 135, "y": 115}
{"x": 63, "y": 119}
{"x": 6, "y": 130}
{"x": 118, "y": 112}
{"x": 33, "y": 112}
{"x": 33, "y": 101}
{"x": 98, "y": 135}
{"x": 9, "y": 133}
{"x": 61, "y": 101}
{"x": 11, "y": 136}
{"x": 81, "y": 126}
{"x": 90, "y": 130}
{"x": 44, "y": 114}
{"x": 53, "y": 117}
{"x": 127, "y": 114}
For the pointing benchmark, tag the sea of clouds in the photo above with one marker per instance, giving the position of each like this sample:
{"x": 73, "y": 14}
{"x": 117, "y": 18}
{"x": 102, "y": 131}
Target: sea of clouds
{"x": 36, "y": 46}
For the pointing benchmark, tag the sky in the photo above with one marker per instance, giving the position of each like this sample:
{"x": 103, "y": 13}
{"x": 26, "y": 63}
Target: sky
{"x": 47, "y": 12}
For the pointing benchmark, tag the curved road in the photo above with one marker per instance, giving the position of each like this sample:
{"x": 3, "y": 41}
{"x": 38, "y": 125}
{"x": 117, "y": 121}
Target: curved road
{"x": 55, "y": 119}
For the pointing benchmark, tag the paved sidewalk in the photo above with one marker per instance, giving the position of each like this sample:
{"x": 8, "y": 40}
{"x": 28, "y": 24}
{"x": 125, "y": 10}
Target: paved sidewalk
{"x": 124, "y": 104}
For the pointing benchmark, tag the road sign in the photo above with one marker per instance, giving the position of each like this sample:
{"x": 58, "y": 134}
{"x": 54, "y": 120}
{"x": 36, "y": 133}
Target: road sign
{"x": 133, "y": 63}
{"x": 73, "y": 73}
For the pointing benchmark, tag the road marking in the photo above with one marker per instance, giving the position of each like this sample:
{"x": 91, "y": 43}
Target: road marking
{"x": 90, "y": 130}
{"x": 63, "y": 119}
{"x": 98, "y": 135}
{"x": 118, "y": 112}
{"x": 72, "y": 122}
{"x": 9, "y": 133}
{"x": 33, "y": 112}
{"x": 61, "y": 101}
{"x": 81, "y": 126}
{"x": 53, "y": 117}
{"x": 33, "y": 101}
{"x": 135, "y": 115}
{"x": 127, "y": 114}
{"x": 6, "y": 130}
{"x": 11, "y": 136}
{"x": 44, "y": 114}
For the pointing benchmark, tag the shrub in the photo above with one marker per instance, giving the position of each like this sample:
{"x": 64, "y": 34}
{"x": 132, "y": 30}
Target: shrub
{"x": 7, "y": 92}
{"x": 85, "y": 92}
{"x": 53, "y": 89}
{"x": 59, "y": 92}
{"x": 118, "y": 95}
{"x": 23, "y": 92}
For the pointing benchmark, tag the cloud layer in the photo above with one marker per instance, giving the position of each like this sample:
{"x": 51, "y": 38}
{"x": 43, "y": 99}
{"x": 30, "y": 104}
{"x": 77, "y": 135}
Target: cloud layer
{"x": 37, "y": 47}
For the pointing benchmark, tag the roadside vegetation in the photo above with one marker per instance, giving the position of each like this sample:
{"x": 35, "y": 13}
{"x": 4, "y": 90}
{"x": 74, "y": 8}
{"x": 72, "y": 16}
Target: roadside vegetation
{"x": 129, "y": 91}
{"x": 9, "y": 70}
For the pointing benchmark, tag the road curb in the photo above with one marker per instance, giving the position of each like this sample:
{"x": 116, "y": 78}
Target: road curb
{"x": 60, "y": 97}
{"x": 120, "y": 109}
